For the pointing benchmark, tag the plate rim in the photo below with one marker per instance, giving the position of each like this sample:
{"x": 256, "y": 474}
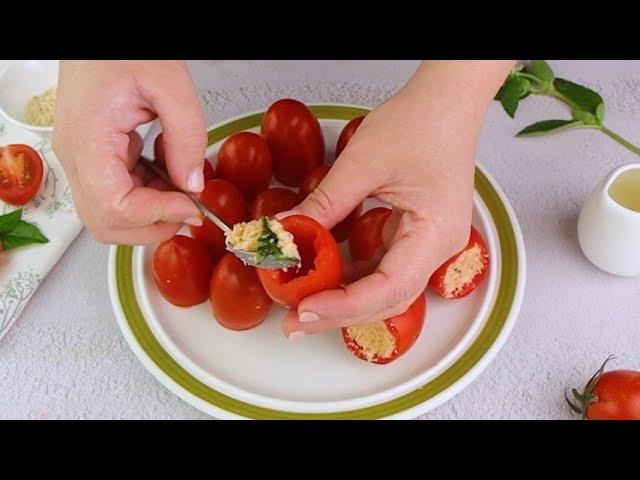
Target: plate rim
{"x": 197, "y": 393}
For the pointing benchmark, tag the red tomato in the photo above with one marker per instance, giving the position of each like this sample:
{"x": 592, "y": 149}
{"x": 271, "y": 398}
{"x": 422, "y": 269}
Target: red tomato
{"x": 613, "y": 395}
{"x": 385, "y": 341}
{"x": 182, "y": 270}
{"x": 158, "y": 154}
{"x": 462, "y": 273}
{"x": 366, "y": 233}
{"x": 272, "y": 201}
{"x": 341, "y": 230}
{"x": 226, "y": 201}
{"x": 321, "y": 264}
{"x": 244, "y": 159}
{"x": 20, "y": 173}
{"x": 346, "y": 134}
{"x": 295, "y": 140}
{"x": 238, "y": 300}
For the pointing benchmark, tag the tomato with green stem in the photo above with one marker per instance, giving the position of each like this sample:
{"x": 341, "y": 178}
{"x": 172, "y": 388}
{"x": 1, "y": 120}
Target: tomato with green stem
{"x": 613, "y": 395}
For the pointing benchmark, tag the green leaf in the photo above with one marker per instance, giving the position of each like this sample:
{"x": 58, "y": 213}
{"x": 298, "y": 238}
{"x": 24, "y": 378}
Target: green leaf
{"x": 600, "y": 113}
{"x": 582, "y": 98}
{"x": 23, "y": 234}
{"x": 9, "y": 221}
{"x": 585, "y": 117}
{"x": 510, "y": 96}
{"x": 548, "y": 126}
{"x": 541, "y": 69}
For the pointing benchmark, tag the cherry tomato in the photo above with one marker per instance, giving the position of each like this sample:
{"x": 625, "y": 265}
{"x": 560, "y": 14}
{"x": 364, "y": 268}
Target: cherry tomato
{"x": 238, "y": 300}
{"x": 182, "y": 270}
{"x": 341, "y": 230}
{"x": 366, "y": 233}
{"x": 20, "y": 173}
{"x": 321, "y": 264}
{"x": 244, "y": 159}
{"x": 462, "y": 273}
{"x": 384, "y": 341}
{"x": 158, "y": 153}
{"x": 295, "y": 140}
{"x": 346, "y": 134}
{"x": 613, "y": 395}
{"x": 272, "y": 201}
{"x": 226, "y": 201}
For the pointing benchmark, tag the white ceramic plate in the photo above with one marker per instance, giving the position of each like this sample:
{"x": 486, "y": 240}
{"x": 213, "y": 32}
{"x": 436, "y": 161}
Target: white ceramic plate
{"x": 260, "y": 374}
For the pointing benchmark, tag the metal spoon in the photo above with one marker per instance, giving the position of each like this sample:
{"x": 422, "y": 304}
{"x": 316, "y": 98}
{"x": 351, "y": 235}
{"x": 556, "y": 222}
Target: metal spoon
{"x": 248, "y": 258}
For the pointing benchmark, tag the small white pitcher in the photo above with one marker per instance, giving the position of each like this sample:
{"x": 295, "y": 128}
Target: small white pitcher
{"x": 609, "y": 224}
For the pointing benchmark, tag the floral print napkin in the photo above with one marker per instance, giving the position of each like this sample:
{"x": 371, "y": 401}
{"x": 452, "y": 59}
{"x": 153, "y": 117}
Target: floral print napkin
{"x": 22, "y": 269}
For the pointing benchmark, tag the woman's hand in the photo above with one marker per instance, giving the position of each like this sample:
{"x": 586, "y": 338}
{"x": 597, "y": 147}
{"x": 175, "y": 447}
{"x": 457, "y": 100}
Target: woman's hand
{"x": 416, "y": 152}
{"x": 99, "y": 105}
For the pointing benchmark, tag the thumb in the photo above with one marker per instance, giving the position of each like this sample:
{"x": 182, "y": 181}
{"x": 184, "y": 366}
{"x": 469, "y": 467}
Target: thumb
{"x": 340, "y": 191}
{"x": 174, "y": 99}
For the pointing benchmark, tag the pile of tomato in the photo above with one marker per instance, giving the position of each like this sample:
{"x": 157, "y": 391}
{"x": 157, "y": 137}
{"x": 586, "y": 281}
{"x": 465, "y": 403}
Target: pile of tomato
{"x": 290, "y": 149}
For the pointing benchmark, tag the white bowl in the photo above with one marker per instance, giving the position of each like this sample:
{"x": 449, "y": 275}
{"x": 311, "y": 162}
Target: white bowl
{"x": 20, "y": 81}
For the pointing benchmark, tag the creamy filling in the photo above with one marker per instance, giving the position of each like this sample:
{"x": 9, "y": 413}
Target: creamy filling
{"x": 258, "y": 236}
{"x": 374, "y": 340}
{"x": 468, "y": 264}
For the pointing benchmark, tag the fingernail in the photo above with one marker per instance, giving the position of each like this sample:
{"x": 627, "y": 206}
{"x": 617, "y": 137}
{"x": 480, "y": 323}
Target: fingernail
{"x": 195, "y": 221}
{"x": 306, "y": 317}
{"x": 281, "y": 215}
{"x": 296, "y": 335}
{"x": 195, "y": 181}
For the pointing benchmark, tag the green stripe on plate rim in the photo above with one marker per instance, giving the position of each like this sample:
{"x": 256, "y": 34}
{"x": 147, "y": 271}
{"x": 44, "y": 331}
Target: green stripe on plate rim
{"x": 474, "y": 353}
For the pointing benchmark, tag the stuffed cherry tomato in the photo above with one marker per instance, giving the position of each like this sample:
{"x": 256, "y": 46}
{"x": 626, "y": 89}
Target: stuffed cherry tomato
{"x": 385, "y": 341}
{"x": 462, "y": 273}
{"x": 321, "y": 267}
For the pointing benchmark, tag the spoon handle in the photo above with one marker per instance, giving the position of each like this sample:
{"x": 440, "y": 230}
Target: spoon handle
{"x": 160, "y": 172}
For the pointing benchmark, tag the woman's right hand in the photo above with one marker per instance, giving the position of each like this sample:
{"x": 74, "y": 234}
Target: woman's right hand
{"x": 99, "y": 106}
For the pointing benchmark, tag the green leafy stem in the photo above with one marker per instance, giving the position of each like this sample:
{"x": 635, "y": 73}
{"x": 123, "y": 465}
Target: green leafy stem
{"x": 587, "y": 106}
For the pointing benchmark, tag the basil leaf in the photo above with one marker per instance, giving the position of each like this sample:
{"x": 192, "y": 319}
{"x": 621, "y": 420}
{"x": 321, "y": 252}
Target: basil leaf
{"x": 510, "y": 96}
{"x": 582, "y": 98}
{"x": 600, "y": 113}
{"x": 585, "y": 117}
{"x": 541, "y": 69}
{"x": 9, "y": 221}
{"x": 23, "y": 234}
{"x": 548, "y": 126}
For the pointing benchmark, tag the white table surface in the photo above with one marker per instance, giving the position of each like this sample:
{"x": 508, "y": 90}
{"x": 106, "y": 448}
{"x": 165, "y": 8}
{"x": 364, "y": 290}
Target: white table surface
{"x": 65, "y": 357}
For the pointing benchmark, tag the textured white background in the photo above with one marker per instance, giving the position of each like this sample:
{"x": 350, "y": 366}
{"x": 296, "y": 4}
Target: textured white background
{"x": 66, "y": 358}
